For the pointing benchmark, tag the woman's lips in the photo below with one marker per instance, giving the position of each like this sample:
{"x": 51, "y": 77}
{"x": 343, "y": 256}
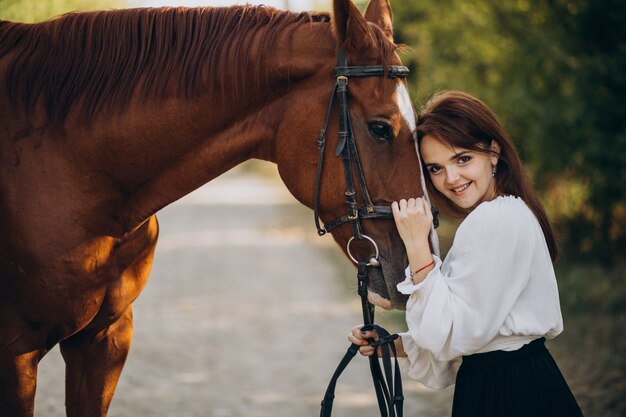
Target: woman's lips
{"x": 460, "y": 189}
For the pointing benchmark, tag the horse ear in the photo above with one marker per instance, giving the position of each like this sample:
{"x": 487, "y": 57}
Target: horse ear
{"x": 379, "y": 12}
{"x": 350, "y": 27}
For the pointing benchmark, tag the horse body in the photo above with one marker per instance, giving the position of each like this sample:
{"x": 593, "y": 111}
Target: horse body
{"x": 79, "y": 188}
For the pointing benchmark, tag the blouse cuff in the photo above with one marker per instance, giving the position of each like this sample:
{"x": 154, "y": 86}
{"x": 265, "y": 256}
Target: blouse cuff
{"x": 407, "y": 287}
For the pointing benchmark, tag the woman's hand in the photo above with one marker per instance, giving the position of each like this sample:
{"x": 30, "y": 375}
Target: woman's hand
{"x": 359, "y": 338}
{"x": 413, "y": 218}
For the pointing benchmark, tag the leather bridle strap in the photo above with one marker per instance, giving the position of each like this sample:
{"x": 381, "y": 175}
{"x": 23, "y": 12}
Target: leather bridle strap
{"x": 392, "y": 71}
{"x": 387, "y": 383}
{"x": 321, "y": 146}
{"x": 346, "y": 147}
{"x": 379, "y": 212}
{"x": 390, "y": 398}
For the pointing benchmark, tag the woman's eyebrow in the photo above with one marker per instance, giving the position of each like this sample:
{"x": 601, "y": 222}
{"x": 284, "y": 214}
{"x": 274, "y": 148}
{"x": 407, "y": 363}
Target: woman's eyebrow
{"x": 452, "y": 158}
{"x": 458, "y": 155}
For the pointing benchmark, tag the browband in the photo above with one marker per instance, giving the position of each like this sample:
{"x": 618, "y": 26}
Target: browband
{"x": 391, "y": 71}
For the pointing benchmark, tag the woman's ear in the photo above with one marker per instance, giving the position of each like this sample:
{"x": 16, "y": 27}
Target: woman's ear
{"x": 495, "y": 152}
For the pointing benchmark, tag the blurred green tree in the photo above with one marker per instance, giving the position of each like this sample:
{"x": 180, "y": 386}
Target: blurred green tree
{"x": 555, "y": 73}
{"x": 37, "y": 10}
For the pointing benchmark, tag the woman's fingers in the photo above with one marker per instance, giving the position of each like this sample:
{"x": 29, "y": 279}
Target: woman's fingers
{"x": 367, "y": 350}
{"x": 412, "y": 217}
{"x": 359, "y": 338}
{"x": 395, "y": 208}
{"x": 358, "y": 335}
{"x": 404, "y": 208}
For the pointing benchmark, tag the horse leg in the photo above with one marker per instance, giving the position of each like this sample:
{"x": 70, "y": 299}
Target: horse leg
{"x": 94, "y": 362}
{"x": 18, "y": 381}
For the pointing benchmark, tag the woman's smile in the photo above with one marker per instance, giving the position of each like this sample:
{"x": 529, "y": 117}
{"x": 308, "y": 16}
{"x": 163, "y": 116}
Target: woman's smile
{"x": 459, "y": 190}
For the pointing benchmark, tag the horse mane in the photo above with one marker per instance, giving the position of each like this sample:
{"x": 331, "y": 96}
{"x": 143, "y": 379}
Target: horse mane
{"x": 105, "y": 57}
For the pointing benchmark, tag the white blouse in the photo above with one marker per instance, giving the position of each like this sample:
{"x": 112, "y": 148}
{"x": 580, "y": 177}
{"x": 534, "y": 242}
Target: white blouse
{"x": 495, "y": 290}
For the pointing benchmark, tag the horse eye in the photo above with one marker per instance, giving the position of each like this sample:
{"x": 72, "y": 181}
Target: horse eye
{"x": 381, "y": 131}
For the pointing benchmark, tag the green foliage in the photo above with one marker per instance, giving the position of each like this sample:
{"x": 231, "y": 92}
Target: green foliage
{"x": 591, "y": 288}
{"x": 38, "y": 10}
{"x": 555, "y": 73}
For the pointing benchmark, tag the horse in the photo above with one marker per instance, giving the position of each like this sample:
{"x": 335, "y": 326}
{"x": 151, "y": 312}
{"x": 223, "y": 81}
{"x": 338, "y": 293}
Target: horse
{"x": 108, "y": 116}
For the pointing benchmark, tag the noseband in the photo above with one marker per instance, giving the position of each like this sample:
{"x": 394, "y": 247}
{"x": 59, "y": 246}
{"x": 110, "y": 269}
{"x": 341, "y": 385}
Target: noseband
{"x": 387, "y": 383}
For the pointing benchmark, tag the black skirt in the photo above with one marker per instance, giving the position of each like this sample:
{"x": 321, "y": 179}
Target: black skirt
{"x": 522, "y": 383}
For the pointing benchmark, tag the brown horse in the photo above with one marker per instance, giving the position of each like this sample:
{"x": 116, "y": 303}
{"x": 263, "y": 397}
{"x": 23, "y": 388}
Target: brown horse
{"x": 107, "y": 117}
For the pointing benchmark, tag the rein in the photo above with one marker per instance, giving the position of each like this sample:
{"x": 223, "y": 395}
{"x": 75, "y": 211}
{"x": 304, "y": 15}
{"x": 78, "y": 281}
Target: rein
{"x": 387, "y": 381}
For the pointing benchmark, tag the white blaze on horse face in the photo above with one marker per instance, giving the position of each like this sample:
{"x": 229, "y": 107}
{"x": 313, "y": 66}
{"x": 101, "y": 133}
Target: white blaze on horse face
{"x": 406, "y": 109}
{"x": 405, "y": 106}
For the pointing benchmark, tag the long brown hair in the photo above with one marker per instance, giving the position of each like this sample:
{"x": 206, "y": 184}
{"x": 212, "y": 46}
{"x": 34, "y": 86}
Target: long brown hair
{"x": 462, "y": 121}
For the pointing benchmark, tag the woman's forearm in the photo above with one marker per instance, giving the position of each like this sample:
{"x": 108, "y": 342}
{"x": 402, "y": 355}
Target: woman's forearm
{"x": 399, "y": 348}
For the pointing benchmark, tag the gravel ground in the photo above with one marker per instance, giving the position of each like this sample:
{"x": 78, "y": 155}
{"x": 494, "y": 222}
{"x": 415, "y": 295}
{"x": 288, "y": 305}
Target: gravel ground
{"x": 246, "y": 314}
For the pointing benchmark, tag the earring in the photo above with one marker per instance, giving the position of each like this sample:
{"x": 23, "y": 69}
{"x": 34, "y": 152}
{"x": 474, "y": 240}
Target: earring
{"x": 493, "y": 171}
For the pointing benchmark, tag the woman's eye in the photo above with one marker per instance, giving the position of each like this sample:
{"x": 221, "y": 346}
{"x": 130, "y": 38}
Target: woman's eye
{"x": 434, "y": 169}
{"x": 464, "y": 159}
{"x": 381, "y": 131}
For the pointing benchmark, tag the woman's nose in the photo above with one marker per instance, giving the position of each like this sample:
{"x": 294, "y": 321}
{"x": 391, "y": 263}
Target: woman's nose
{"x": 452, "y": 175}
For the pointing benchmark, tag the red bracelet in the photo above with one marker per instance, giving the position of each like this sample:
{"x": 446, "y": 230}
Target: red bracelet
{"x": 422, "y": 268}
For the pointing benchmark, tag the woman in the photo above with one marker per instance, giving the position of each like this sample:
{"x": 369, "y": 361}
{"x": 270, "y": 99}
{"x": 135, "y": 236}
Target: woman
{"x": 479, "y": 318}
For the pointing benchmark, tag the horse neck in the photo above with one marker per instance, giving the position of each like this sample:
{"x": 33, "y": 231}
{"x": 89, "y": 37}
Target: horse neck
{"x": 182, "y": 144}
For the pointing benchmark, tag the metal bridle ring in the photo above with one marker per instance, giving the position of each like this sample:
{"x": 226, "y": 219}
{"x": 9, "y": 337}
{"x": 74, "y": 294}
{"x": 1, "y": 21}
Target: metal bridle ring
{"x": 373, "y": 244}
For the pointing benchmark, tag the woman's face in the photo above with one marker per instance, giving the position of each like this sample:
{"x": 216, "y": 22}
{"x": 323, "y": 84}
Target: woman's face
{"x": 463, "y": 176}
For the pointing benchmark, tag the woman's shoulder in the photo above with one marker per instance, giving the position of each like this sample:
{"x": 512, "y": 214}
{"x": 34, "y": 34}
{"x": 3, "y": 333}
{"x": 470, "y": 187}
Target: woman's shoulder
{"x": 503, "y": 214}
{"x": 502, "y": 206}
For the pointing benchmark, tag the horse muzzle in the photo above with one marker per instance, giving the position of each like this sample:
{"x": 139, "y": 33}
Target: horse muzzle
{"x": 383, "y": 281}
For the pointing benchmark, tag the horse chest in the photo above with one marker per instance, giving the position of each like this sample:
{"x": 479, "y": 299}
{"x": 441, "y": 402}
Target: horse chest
{"x": 88, "y": 287}
{"x": 121, "y": 278}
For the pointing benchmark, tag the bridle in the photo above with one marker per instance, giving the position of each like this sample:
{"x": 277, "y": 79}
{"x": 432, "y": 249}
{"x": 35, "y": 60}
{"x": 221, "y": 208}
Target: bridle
{"x": 346, "y": 147}
{"x": 387, "y": 384}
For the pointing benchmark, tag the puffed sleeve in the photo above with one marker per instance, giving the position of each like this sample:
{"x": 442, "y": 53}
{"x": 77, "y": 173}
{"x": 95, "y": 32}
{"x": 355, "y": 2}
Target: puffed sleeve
{"x": 459, "y": 311}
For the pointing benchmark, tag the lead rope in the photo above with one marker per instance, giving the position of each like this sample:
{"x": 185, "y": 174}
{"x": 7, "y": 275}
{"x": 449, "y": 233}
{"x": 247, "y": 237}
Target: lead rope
{"x": 387, "y": 384}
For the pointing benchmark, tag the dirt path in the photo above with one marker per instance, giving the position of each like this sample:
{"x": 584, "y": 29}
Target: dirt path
{"x": 245, "y": 315}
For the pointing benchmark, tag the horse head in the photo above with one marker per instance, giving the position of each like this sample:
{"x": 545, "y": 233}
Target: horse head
{"x": 382, "y": 121}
